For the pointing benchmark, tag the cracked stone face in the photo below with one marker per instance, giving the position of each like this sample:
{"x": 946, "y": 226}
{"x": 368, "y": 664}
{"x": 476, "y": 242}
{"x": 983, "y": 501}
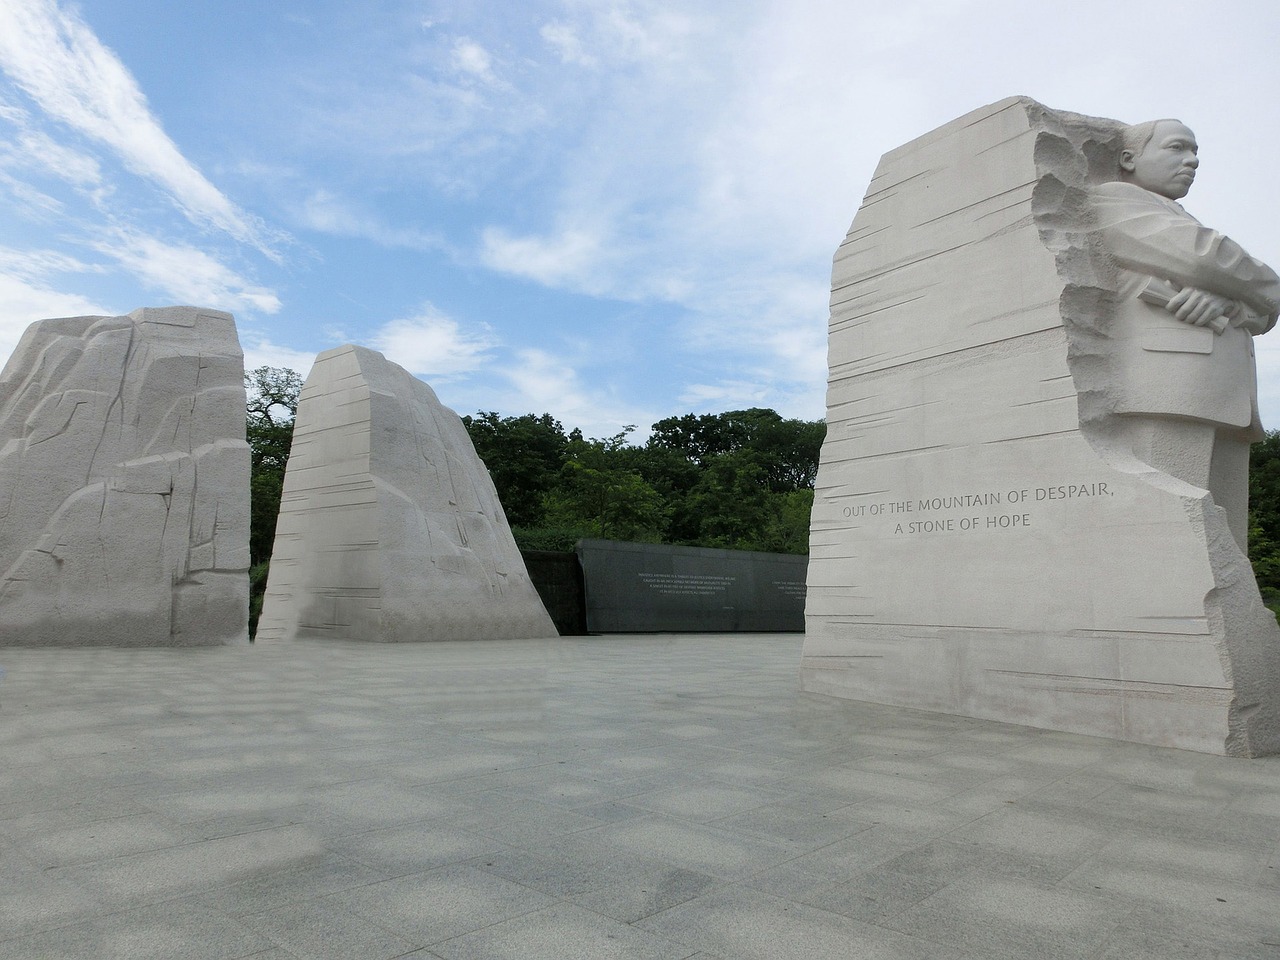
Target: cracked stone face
{"x": 124, "y": 478}
{"x": 390, "y": 527}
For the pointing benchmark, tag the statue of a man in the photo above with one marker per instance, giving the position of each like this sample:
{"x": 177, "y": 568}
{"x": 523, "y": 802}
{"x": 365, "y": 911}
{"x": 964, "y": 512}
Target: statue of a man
{"x": 1189, "y": 302}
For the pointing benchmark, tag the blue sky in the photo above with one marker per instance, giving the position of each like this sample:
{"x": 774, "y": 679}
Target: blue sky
{"x": 609, "y": 210}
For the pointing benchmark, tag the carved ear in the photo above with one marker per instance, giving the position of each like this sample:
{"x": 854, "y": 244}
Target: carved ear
{"x": 1127, "y": 159}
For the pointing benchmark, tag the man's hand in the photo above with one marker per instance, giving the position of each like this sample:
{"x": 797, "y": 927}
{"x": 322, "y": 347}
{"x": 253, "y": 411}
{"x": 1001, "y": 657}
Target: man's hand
{"x": 1201, "y": 308}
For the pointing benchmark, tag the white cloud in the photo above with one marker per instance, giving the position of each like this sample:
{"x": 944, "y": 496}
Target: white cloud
{"x": 187, "y": 274}
{"x": 259, "y": 351}
{"x": 35, "y": 266}
{"x": 23, "y": 302}
{"x": 59, "y": 62}
{"x": 564, "y": 39}
{"x": 725, "y": 395}
{"x": 31, "y": 203}
{"x": 567, "y": 259}
{"x": 548, "y": 382}
{"x": 432, "y": 344}
{"x": 473, "y": 60}
{"x": 326, "y": 212}
{"x": 624, "y": 31}
{"x": 73, "y": 166}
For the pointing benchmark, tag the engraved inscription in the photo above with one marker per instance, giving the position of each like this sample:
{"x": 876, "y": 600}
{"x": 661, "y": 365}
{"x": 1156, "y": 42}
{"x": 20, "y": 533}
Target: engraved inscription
{"x": 677, "y": 584}
{"x": 919, "y": 515}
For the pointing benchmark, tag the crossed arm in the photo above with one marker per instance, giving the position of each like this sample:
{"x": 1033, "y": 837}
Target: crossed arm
{"x": 1219, "y": 282}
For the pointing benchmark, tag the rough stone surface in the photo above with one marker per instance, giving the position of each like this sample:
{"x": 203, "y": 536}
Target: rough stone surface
{"x": 124, "y": 482}
{"x": 390, "y": 528}
{"x": 980, "y": 545}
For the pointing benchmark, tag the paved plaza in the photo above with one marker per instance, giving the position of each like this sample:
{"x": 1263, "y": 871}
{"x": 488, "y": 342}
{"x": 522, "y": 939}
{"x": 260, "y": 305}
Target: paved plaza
{"x": 655, "y": 797}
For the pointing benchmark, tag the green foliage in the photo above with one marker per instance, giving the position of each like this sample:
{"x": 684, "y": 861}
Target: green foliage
{"x": 741, "y": 479}
{"x": 524, "y": 456}
{"x": 257, "y": 591}
{"x": 1264, "y": 516}
{"x": 271, "y": 403}
{"x": 598, "y": 491}
{"x": 787, "y": 450}
{"x": 560, "y": 539}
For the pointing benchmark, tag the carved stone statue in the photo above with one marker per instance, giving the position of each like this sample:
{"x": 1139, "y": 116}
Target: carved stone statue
{"x": 1032, "y": 499}
{"x": 1188, "y": 303}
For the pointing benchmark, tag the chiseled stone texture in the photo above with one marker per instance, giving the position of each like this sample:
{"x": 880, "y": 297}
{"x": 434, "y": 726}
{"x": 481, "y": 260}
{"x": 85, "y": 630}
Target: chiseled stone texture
{"x": 124, "y": 482}
{"x": 975, "y": 550}
{"x": 390, "y": 528}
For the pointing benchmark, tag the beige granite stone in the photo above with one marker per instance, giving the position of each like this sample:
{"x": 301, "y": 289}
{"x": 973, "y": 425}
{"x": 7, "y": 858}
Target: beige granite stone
{"x": 124, "y": 482}
{"x": 390, "y": 528}
{"x": 981, "y": 544}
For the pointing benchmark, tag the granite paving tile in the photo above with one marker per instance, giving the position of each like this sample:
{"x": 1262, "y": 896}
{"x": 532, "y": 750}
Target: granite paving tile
{"x": 562, "y": 932}
{"x": 320, "y": 930}
{"x": 429, "y": 907}
{"x": 601, "y": 796}
{"x": 1000, "y": 918}
{"x": 750, "y": 925}
{"x": 169, "y": 932}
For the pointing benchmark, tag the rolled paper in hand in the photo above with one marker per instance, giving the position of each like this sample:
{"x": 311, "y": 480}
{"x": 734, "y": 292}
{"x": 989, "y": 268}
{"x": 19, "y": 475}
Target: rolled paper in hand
{"x": 1159, "y": 292}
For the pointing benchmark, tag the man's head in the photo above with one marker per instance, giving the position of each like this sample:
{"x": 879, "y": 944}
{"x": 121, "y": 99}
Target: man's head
{"x": 1160, "y": 156}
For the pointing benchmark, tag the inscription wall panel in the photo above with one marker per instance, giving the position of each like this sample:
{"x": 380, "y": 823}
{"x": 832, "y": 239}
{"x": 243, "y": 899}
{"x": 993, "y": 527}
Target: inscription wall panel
{"x": 655, "y": 588}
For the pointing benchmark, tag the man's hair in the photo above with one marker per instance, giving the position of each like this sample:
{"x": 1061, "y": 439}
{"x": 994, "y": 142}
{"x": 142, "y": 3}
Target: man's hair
{"x": 1136, "y": 136}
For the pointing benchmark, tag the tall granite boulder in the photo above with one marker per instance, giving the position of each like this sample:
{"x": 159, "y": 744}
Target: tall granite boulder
{"x": 390, "y": 528}
{"x": 124, "y": 482}
{"x": 1028, "y": 509}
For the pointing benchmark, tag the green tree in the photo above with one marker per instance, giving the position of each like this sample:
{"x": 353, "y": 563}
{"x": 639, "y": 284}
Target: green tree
{"x": 730, "y": 500}
{"x": 1264, "y": 515}
{"x": 524, "y": 456}
{"x": 271, "y": 399}
{"x": 751, "y": 480}
{"x": 787, "y": 449}
{"x": 600, "y": 495}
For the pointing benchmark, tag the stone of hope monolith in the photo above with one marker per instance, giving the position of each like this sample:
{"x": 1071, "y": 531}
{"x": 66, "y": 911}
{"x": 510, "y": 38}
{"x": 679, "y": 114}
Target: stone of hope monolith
{"x": 1032, "y": 499}
{"x": 124, "y": 482}
{"x": 390, "y": 527}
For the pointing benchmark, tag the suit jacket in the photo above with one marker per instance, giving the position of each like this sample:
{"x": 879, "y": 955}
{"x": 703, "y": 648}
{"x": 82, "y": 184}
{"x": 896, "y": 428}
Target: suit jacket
{"x": 1160, "y": 365}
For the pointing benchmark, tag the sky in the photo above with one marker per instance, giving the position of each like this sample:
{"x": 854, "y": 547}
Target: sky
{"x": 612, "y": 211}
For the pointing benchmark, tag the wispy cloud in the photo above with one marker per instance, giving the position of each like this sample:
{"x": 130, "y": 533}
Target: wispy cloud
{"x": 724, "y": 395}
{"x": 619, "y": 32}
{"x": 187, "y": 274}
{"x": 37, "y": 266}
{"x": 261, "y": 351}
{"x": 564, "y": 39}
{"x": 431, "y": 344}
{"x": 328, "y": 213}
{"x": 568, "y": 259}
{"x": 37, "y": 150}
{"x": 59, "y": 62}
{"x": 22, "y": 302}
{"x": 473, "y": 60}
{"x": 543, "y": 381}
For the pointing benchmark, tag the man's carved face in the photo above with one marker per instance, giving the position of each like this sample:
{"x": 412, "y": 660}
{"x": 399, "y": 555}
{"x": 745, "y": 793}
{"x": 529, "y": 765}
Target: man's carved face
{"x": 1167, "y": 165}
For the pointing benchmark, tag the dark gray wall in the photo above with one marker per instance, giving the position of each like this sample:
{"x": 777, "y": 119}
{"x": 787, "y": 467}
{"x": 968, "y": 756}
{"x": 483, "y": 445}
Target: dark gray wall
{"x": 653, "y": 588}
{"x": 558, "y": 579}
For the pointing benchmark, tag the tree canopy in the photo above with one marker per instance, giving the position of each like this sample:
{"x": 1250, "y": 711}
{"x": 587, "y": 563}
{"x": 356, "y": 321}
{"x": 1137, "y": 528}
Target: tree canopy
{"x": 741, "y": 479}
{"x": 1264, "y": 516}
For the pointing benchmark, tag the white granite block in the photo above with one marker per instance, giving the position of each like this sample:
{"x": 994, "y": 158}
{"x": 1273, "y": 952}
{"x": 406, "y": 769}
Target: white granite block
{"x": 124, "y": 476}
{"x": 390, "y": 528}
